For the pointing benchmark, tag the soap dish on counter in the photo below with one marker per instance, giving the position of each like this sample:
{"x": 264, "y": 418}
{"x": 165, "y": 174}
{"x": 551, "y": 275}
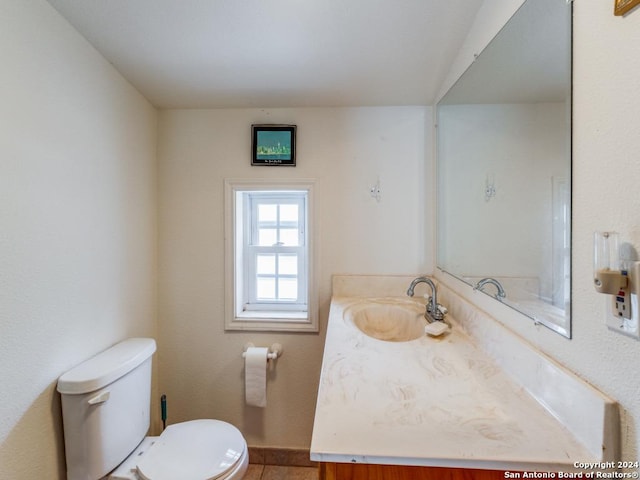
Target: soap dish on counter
{"x": 435, "y": 329}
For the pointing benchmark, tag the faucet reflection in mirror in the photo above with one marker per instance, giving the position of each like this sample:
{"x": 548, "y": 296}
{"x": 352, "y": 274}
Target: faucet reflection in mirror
{"x": 500, "y": 294}
{"x": 504, "y": 166}
{"x": 435, "y": 311}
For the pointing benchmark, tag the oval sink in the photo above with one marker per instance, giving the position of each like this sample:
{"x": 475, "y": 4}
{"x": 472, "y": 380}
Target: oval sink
{"x": 388, "y": 322}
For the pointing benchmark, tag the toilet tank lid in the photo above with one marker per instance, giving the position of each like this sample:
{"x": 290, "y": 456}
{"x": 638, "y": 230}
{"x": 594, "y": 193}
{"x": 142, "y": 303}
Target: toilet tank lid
{"x": 106, "y": 367}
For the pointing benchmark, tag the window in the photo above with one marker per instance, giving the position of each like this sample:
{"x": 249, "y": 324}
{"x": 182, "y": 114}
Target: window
{"x": 269, "y": 256}
{"x": 275, "y": 250}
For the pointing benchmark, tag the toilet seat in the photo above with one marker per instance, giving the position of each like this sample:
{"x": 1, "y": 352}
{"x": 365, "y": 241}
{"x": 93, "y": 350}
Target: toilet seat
{"x": 194, "y": 450}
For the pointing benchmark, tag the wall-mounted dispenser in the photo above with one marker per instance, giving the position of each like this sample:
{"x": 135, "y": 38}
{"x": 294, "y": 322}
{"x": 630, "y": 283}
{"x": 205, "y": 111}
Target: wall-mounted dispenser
{"x": 620, "y": 278}
{"x": 608, "y": 277}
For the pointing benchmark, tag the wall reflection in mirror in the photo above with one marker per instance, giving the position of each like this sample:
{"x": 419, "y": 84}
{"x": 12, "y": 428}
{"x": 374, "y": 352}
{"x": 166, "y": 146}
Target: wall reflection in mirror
{"x": 504, "y": 167}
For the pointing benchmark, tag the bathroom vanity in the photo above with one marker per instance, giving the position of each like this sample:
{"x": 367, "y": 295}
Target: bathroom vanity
{"x": 476, "y": 397}
{"x": 345, "y": 471}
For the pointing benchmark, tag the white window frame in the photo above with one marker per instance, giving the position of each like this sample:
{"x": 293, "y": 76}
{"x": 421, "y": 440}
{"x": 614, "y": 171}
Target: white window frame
{"x": 241, "y": 311}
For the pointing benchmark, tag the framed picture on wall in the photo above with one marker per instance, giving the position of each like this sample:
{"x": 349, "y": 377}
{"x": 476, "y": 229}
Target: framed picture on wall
{"x": 273, "y": 145}
{"x": 623, "y": 6}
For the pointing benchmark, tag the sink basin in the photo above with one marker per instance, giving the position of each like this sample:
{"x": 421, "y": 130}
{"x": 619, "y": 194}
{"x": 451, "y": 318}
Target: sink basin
{"x": 388, "y": 321}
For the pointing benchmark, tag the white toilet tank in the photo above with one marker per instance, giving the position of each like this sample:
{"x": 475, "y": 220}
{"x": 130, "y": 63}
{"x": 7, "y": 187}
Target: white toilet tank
{"x": 106, "y": 408}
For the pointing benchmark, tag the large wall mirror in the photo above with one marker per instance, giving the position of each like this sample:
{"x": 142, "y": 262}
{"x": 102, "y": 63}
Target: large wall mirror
{"x": 504, "y": 167}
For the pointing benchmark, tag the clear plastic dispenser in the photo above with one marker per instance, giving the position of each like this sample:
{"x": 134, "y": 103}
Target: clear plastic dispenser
{"x": 607, "y": 275}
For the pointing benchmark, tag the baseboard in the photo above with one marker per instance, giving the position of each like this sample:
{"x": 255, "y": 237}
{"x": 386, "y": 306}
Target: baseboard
{"x": 288, "y": 457}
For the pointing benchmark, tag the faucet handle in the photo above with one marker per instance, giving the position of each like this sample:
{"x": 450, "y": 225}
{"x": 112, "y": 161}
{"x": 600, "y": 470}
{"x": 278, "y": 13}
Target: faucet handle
{"x": 442, "y": 309}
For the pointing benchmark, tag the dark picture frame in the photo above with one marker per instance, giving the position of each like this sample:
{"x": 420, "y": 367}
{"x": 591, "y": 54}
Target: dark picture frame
{"x": 273, "y": 145}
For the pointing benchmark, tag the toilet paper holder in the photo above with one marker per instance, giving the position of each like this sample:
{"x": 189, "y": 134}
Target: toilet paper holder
{"x": 275, "y": 350}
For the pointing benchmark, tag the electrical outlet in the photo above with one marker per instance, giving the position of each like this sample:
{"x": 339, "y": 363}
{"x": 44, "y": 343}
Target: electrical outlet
{"x": 621, "y": 305}
{"x": 623, "y": 315}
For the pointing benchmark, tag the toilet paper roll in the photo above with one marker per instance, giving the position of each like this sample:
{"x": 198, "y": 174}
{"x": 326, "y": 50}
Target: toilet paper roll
{"x": 255, "y": 376}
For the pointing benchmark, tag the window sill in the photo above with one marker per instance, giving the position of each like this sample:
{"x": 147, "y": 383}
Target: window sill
{"x": 276, "y": 315}
{"x": 271, "y": 321}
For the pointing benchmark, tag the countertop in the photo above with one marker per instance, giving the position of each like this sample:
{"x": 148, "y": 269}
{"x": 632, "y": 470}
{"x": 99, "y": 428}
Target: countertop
{"x": 430, "y": 402}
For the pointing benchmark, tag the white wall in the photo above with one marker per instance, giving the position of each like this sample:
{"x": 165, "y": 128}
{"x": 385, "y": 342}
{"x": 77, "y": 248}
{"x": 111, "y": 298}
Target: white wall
{"x": 346, "y": 150}
{"x": 605, "y": 179}
{"x": 77, "y": 223}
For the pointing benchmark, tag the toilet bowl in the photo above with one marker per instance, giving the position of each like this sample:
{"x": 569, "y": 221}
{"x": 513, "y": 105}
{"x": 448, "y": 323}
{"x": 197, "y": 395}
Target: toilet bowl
{"x": 198, "y": 450}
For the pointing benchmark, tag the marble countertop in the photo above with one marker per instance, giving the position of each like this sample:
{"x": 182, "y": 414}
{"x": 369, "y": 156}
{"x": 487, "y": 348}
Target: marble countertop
{"x": 431, "y": 402}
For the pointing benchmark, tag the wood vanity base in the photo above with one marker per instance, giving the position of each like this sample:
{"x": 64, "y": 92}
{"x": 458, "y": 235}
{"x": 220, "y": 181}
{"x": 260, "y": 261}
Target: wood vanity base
{"x": 360, "y": 471}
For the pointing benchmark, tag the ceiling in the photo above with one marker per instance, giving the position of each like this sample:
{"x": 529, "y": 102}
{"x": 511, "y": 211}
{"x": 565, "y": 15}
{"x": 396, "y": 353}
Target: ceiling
{"x": 529, "y": 60}
{"x": 277, "y": 53}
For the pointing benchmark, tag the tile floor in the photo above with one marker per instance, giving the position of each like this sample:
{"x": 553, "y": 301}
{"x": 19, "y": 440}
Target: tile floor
{"x": 279, "y": 472}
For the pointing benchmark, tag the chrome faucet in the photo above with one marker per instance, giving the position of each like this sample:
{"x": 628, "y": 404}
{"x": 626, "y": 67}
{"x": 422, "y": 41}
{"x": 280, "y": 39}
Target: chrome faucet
{"x": 491, "y": 281}
{"x": 434, "y": 311}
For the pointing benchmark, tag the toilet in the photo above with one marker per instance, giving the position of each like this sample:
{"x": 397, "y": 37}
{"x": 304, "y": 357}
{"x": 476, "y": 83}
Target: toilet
{"x": 106, "y": 417}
